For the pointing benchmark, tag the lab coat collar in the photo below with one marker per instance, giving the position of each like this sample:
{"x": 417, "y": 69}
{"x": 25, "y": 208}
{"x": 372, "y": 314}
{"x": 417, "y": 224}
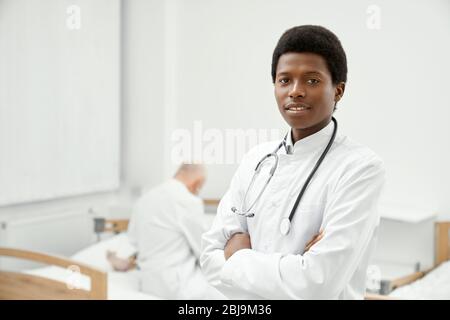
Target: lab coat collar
{"x": 314, "y": 141}
{"x": 178, "y": 185}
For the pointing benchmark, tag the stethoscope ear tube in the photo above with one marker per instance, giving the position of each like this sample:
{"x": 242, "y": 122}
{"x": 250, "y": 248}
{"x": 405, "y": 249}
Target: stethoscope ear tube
{"x": 271, "y": 173}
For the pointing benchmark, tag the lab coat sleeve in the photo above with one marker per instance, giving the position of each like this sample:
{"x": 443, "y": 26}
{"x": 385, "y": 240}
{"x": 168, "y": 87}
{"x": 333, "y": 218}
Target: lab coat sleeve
{"x": 226, "y": 223}
{"x": 132, "y": 233}
{"x": 350, "y": 219}
{"x": 193, "y": 224}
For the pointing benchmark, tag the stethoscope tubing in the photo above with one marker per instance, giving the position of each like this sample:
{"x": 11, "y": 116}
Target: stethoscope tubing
{"x": 274, "y": 154}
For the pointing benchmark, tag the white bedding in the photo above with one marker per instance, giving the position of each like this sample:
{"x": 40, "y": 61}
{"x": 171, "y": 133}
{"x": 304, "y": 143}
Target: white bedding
{"x": 121, "y": 285}
{"x": 435, "y": 285}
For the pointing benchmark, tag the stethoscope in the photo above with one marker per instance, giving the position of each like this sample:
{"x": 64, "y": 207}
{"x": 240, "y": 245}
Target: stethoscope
{"x": 285, "y": 224}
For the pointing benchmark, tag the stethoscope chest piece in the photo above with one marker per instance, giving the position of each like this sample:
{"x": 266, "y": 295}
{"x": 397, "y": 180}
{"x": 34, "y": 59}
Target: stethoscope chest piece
{"x": 285, "y": 226}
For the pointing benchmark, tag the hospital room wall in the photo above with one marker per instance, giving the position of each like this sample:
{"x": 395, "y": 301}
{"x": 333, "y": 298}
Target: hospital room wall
{"x": 395, "y": 100}
{"x": 143, "y": 93}
{"x": 142, "y": 115}
{"x": 38, "y": 67}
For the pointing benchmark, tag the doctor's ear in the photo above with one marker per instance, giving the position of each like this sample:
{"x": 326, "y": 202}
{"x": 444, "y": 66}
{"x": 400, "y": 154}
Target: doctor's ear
{"x": 339, "y": 91}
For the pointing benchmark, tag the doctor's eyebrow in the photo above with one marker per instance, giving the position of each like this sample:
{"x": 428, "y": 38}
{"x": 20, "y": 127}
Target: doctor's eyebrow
{"x": 308, "y": 73}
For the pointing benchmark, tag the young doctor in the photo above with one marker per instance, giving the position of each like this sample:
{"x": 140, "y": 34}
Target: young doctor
{"x": 286, "y": 192}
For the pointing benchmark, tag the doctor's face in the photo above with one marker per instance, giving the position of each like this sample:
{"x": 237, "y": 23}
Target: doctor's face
{"x": 305, "y": 92}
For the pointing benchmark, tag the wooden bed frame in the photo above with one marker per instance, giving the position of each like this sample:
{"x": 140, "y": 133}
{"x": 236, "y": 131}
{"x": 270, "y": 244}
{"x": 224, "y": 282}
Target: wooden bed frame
{"x": 102, "y": 225}
{"x": 21, "y": 286}
{"x": 442, "y": 242}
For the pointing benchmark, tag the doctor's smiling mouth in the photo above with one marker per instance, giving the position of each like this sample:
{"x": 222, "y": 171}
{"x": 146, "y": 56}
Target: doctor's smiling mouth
{"x": 305, "y": 92}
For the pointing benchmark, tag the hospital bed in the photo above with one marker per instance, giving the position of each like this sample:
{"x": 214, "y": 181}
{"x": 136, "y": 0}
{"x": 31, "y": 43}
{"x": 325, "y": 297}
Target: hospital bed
{"x": 433, "y": 283}
{"x": 15, "y": 285}
{"x": 88, "y": 275}
{"x": 85, "y": 275}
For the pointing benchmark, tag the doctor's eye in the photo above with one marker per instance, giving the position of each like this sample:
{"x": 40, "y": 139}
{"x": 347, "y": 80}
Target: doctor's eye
{"x": 312, "y": 81}
{"x": 283, "y": 80}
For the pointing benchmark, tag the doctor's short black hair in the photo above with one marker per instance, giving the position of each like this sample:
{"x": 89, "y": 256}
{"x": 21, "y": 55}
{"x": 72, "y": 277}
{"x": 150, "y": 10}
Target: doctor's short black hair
{"x": 313, "y": 39}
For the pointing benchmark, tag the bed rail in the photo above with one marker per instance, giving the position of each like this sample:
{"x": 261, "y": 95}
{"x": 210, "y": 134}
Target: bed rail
{"x": 14, "y": 285}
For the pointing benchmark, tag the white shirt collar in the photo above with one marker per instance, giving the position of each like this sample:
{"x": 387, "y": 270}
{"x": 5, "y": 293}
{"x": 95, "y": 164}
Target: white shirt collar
{"x": 178, "y": 185}
{"x": 316, "y": 140}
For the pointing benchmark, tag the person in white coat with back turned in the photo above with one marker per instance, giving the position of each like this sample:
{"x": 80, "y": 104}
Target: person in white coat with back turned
{"x": 286, "y": 192}
{"x": 166, "y": 228}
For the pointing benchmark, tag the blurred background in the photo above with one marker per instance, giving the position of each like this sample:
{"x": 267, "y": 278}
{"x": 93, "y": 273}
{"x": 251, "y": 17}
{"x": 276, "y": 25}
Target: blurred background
{"x": 96, "y": 96}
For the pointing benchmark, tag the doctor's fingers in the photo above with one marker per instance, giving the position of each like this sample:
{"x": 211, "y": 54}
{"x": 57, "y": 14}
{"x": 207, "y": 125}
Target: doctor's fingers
{"x": 240, "y": 236}
{"x": 316, "y": 238}
{"x": 313, "y": 241}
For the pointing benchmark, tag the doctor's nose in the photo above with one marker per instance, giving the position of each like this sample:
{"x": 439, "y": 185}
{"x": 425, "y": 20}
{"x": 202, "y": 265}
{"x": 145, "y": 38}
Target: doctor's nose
{"x": 297, "y": 91}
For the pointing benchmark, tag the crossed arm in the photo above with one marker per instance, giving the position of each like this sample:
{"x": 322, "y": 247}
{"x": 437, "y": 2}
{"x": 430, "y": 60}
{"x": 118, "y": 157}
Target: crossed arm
{"x": 324, "y": 270}
{"x": 242, "y": 241}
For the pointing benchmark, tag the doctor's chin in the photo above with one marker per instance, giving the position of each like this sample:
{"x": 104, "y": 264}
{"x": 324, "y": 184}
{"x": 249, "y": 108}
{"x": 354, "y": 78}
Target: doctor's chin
{"x": 191, "y": 151}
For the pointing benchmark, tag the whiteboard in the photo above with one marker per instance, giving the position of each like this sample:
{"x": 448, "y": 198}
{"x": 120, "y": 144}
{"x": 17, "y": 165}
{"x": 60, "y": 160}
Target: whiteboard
{"x": 59, "y": 98}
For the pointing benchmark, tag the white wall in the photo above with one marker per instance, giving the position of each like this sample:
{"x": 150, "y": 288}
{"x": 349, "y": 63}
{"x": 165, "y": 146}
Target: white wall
{"x": 395, "y": 100}
{"x": 143, "y": 92}
{"x": 54, "y": 69}
{"x": 143, "y": 96}
{"x": 59, "y": 98}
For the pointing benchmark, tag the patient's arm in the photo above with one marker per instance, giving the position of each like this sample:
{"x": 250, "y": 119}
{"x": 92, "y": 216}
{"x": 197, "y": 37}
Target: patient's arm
{"x": 120, "y": 264}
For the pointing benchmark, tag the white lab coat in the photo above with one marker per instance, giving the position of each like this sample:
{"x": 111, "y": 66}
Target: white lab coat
{"x": 166, "y": 227}
{"x": 341, "y": 199}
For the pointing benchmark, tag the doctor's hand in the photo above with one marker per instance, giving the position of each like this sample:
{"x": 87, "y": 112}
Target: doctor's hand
{"x": 237, "y": 242}
{"x": 313, "y": 241}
